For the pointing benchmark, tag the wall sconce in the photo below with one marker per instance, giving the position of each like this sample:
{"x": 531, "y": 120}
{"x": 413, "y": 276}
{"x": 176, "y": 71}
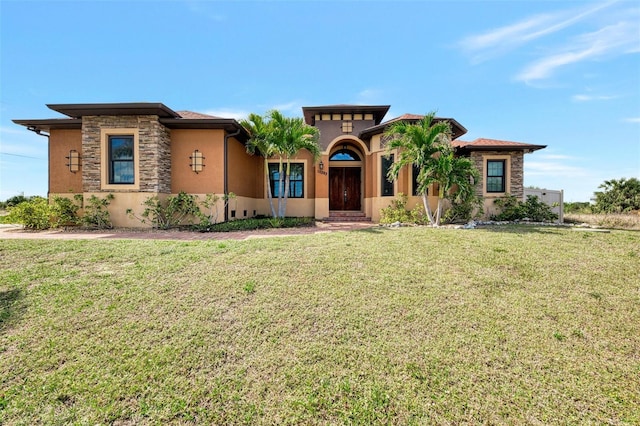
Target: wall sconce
{"x": 73, "y": 161}
{"x": 321, "y": 165}
{"x": 196, "y": 161}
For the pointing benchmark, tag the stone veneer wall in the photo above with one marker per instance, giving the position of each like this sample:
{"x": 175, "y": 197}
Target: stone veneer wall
{"x": 154, "y": 148}
{"x": 517, "y": 170}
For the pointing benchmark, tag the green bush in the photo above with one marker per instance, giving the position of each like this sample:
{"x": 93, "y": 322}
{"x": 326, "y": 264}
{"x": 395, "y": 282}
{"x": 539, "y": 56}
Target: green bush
{"x": 577, "y": 207}
{"x": 463, "y": 211}
{"x": 618, "y": 196}
{"x": 64, "y": 211}
{"x": 259, "y": 223}
{"x": 172, "y": 212}
{"x": 532, "y": 209}
{"x": 397, "y": 212}
{"x": 96, "y": 214}
{"x": 34, "y": 214}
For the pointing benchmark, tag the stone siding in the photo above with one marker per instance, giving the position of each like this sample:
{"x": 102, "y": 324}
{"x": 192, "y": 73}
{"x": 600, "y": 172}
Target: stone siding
{"x": 517, "y": 170}
{"x": 154, "y": 151}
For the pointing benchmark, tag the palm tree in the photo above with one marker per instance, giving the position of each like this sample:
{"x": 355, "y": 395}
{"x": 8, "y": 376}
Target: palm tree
{"x": 453, "y": 172}
{"x": 293, "y": 135}
{"x": 261, "y": 141}
{"x": 418, "y": 144}
{"x": 277, "y": 135}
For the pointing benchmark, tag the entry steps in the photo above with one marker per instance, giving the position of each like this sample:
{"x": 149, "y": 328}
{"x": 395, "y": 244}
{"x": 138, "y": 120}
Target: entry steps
{"x": 346, "y": 216}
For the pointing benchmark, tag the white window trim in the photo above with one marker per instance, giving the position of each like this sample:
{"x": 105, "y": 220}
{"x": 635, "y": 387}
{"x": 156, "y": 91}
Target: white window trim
{"x": 104, "y": 157}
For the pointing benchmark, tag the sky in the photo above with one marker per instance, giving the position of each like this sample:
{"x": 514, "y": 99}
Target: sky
{"x": 565, "y": 74}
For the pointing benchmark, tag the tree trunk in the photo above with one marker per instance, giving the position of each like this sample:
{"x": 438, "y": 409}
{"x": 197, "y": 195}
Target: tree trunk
{"x": 287, "y": 180}
{"x": 427, "y": 209}
{"x": 280, "y": 188}
{"x": 269, "y": 194}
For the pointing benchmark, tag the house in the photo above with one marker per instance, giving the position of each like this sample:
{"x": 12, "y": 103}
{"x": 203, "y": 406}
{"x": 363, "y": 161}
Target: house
{"x": 139, "y": 150}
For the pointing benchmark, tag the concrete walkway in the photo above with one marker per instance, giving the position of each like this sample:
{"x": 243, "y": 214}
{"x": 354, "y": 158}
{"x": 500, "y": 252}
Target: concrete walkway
{"x": 17, "y": 232}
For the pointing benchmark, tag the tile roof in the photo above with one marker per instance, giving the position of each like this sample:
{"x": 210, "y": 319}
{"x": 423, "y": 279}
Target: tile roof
{"x": 483, "y": 143}
{"x": 195, "y": 115}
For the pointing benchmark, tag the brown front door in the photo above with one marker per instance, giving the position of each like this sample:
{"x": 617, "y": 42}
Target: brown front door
{"x": 344, "y": 188}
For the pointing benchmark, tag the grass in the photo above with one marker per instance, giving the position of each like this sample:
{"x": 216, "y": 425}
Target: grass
{"x": 610, "y": 220}
{"x": 381, "y": 326}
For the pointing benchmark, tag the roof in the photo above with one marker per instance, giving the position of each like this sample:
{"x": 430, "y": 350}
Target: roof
{"x": 457, "y": 128}
{"x": 195, "y": 115}
{"x": 482, "y": 144}
{"x": 378, "y": 111}
{"x": 128, "y": 108}
{"x": 166, "y": 116}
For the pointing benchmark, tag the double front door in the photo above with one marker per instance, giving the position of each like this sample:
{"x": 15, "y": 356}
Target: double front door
{"x": 345, "y": 188}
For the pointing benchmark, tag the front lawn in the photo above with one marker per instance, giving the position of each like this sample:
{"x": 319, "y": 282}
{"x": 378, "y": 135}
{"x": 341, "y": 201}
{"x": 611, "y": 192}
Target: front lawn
{"x": 516, "y": 325}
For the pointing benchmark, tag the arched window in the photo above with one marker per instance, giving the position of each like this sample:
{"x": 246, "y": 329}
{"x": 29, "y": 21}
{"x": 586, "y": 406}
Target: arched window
{"x": 344, "y": 155}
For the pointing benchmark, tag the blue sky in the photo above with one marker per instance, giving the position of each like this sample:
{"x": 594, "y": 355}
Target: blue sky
{"x": 560, "y": 73}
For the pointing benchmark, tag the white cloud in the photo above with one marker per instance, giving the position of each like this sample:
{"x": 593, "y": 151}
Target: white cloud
{"x": 369, "y": 96}
{"x": 238, "y": 114}
{"x": 587, "y": 98}
{"x": 553, "y": 168}
{"x": 501, "y": 40}
{"x": 632, "y": 120}
{"x": 615, "y": 40}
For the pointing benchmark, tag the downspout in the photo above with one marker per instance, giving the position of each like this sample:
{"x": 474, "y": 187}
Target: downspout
{"x": 226, "y": 170}
{"x": 38, "y": 132}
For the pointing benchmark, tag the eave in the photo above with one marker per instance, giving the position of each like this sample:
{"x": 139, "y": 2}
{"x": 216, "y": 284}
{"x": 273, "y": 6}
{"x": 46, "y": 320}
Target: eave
{"x": 378, "y": 111}
{"x": 122, "y": 108}
{"x": 46, "y": 125}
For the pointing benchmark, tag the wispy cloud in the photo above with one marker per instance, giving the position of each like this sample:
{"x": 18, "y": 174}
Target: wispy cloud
{"x": 501, "y": 40}
{"x": 367, "y": 96}
{"x": 632, "y": 120}
{"x": 238, "y": 114}
{"x": 617, "y": 39}
{"x": 199, "y": 9}
{"x": 588, "y": 98}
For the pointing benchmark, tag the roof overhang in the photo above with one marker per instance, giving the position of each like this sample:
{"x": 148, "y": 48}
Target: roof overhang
{"x": 138, "y": 108}
{"x": 496, "y": 145}
{"x": 47, "y": 125}
{"x": 228, "y": 124}
{"x": 457, "y": 129}
{"x": 378, "y": 111}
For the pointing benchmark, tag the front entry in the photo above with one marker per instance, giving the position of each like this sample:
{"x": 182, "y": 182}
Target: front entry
{"x": 345, "y": 188}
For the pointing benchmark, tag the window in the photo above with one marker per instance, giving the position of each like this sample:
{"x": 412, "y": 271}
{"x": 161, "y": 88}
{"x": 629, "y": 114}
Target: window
{"x": 296, "y": 180}
{"x": 347, "y": 127}
{"x": 344, "y": 154}
{"x": 121, "y": 165}
{"x": 387, "y": 185}
{"x": 495, "y": 176}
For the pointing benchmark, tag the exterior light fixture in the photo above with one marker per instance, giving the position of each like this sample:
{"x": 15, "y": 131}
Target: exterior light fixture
{"x": 197, "y": 163}
{"x": 321, "y": 165}
{"x": 73, "y": 161}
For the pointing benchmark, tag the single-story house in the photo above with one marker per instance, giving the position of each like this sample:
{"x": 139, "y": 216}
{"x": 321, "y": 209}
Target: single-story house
{"x": 139, "y": 150}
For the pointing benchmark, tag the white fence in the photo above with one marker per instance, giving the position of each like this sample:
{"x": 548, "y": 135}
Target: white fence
{"x": 554, "y": 198}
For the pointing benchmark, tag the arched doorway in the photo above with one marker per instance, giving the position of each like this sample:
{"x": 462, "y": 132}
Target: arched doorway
{"x": 345, "y": 179}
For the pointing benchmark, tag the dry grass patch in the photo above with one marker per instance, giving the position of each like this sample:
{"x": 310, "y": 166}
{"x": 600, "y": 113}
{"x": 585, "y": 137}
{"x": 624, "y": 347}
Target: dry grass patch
{"x": 608, "y": 220}
{"x": 403, "y": 326}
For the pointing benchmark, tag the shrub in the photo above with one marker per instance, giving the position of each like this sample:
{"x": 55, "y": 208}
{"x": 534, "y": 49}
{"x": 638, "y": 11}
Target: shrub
{"x": 463, "y": 211}
{"x": 170, "y": 213}
{"x": 64, "y": 211}
{"x": 532, "y": 209}
{"x": 260, "y": 223}
{"x": 33, "y": 214}
{"x": 96, "y": 214}
{"x": 618, "y": 196}
{"x": 397, "y": 212}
